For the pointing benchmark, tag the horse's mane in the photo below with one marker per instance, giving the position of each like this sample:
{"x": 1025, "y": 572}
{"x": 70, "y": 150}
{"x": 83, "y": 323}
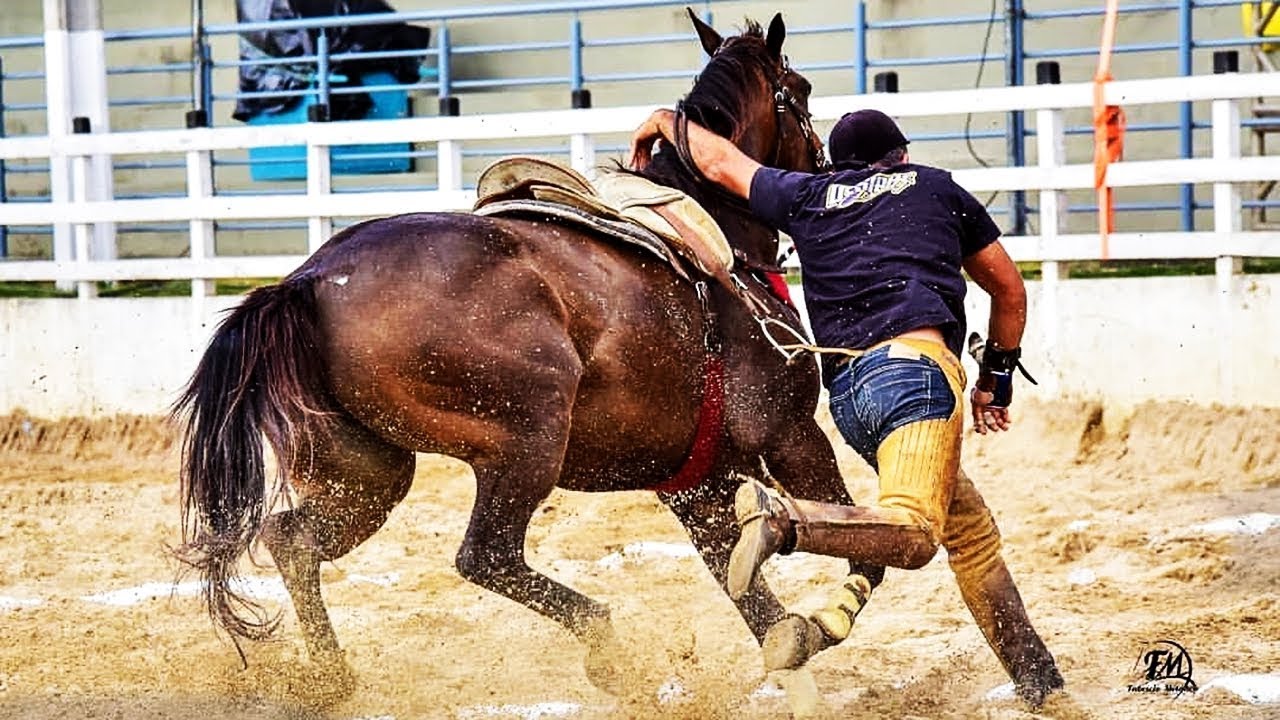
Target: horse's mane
{"x": 716, "y": 100}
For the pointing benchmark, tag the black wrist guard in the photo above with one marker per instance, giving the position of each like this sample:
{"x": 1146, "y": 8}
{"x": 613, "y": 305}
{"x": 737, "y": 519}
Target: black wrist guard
{"x": 996, "y": 360}
{"x": 995, "y": 375}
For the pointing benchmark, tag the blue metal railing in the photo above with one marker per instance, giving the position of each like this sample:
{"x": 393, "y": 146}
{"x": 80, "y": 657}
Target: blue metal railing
{"x": 444, "y": 82}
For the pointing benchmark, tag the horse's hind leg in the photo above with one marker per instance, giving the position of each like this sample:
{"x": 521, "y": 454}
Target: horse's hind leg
{"x": 347, "y": 482}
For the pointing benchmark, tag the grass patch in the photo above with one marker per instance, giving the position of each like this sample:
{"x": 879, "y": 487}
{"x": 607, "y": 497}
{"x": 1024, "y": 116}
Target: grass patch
{"x": 1148, "y": 268}
{"x": 32, "y": 290}
{"x": 132, "y": 288}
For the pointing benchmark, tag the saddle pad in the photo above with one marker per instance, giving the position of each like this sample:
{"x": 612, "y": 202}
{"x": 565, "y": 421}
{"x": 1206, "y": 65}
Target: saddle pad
{"x": 623, "y": 230}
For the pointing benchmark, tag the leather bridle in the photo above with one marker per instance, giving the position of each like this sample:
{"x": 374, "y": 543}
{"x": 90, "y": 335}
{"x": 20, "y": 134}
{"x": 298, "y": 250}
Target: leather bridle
{"x": 784, "y": 102}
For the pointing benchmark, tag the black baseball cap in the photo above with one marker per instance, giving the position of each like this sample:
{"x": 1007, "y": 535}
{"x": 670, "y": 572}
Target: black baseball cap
{"x": 864, "y": 136}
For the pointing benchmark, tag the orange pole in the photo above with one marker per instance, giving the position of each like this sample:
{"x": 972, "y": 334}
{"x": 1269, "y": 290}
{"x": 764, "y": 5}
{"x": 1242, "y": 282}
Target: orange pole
{"x": 1108, "y": 129}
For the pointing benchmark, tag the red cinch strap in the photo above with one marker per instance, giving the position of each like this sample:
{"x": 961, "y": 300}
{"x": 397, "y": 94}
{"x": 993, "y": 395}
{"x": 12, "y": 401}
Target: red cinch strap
{"x": 778, "y": 284}
{"x": 706, "y": 440}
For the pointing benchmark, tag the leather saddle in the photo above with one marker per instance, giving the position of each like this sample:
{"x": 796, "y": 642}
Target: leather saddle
{"x": 660, "y": 219}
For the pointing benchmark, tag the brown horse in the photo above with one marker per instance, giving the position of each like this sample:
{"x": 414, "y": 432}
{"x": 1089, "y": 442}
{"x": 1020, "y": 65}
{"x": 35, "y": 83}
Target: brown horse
{"x": 541, "y": 355}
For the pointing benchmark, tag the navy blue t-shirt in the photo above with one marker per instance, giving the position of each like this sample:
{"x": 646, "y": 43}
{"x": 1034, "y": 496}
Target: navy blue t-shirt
{"x": 880, "y": 250}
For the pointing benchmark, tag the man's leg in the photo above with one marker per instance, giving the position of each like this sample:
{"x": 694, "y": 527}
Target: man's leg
{"x": 917, "y": 464}
{"x": 900, "y": 407}
{"x": 973, "y": 547}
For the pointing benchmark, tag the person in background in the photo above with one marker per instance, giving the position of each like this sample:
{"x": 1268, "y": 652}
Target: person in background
{"x": 882, "y": 243}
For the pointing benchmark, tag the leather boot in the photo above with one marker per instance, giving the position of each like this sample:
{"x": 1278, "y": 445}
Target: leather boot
{"x": 999, "y": 612}
{"x": 766, "y": 528}
{"x": 873, "y": 535}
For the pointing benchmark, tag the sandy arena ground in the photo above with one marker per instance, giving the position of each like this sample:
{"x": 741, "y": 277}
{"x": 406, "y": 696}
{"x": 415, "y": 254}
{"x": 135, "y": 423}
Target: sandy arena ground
{"x": 1109, "y": 528}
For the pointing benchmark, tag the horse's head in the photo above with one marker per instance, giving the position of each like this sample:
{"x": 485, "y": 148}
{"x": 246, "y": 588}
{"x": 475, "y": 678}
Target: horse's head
{"x": 749, "y": 94}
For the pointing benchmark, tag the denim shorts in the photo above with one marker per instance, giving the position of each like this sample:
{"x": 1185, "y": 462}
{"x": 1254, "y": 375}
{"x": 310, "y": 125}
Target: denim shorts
{"x": 888, "y": 387}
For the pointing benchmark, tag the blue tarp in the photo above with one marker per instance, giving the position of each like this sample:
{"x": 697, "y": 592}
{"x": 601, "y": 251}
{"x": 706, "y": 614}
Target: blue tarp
{"x": 298, "y": 76}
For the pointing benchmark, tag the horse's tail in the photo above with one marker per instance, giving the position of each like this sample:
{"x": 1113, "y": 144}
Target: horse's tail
{"x": 261, "y": 375}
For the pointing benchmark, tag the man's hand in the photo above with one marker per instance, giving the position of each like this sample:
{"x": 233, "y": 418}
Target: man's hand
{"x": 656, "y": 127}
{"x": 718, "y": 159}
{"x": 986, "y": 418}
{"x": 993, "y": 392}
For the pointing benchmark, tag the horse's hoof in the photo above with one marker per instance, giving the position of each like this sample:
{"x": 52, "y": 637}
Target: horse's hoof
{"x": 803, "y": 696}
{"x": 606, "y": 662}
{"x": 603, "y": 674}
{"x": 790, "y": 643}
{"x": 329, "y": 681}
{"x": 340, "y": 681}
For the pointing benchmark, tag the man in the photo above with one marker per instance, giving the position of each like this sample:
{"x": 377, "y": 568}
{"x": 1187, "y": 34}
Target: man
{"x": 881, "y": 243}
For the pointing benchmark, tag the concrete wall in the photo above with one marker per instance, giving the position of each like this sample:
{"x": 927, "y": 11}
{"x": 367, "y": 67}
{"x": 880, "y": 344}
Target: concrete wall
{"x": 1122, "y": 341}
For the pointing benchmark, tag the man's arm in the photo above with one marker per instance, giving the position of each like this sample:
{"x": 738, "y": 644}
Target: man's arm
{"x": 993, "y": 270}
{"x": 718, "y": 159}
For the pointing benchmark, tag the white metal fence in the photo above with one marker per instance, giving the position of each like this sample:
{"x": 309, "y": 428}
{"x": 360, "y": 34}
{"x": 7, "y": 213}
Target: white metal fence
{"x": 1086, "y": 335}
{"x": 1051, "y": 177}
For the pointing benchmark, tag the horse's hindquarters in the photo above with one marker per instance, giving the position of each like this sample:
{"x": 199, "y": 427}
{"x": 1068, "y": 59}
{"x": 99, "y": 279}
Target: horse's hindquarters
{"x": 475, "y": 336}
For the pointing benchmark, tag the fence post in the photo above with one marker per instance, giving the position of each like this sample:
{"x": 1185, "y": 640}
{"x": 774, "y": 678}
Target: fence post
{"x": 444, "y": 78}
{"x": 860, "y": 47}
{"x": 57, "y": 65}
{"x": 82, "y": 231}
{"x": 1186, "y": 118}
{"x": 198, "y": 116}
{"x": 199, "y": 187}
{"x": 1015, "y": 130}
{"x": 449, "y": 159}
{"x": 319, "y": 166}
{"x": 319, "y": 111}
{"x": 4, "y": 192}
{"x": 319, "y": 185}
{"x": 582, "y": 150}
{"x": 1226, "y": 222}
{"x": 1050, "y": 153}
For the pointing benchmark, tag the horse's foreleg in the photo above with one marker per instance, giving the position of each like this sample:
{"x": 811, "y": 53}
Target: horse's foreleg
{"x": 707, "y": 515}
{"x": 804, "y": 464}
{"x": 492, "y": 556}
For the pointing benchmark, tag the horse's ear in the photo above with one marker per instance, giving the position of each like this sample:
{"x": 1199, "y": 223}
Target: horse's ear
{"x": 777, "y": 33}
{"x": 711, "y": 39}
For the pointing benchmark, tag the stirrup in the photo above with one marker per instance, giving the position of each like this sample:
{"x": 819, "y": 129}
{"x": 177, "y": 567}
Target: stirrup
{"x": 755, "y": 509}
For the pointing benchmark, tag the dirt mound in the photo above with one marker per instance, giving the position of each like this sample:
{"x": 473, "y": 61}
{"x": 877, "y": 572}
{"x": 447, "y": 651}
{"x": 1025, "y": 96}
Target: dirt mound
{"x": 1215, "y": 439}
{"x": 1162, "y": 437}
{"x": 73, "y": 450}
{"x": 124, "y": 437}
